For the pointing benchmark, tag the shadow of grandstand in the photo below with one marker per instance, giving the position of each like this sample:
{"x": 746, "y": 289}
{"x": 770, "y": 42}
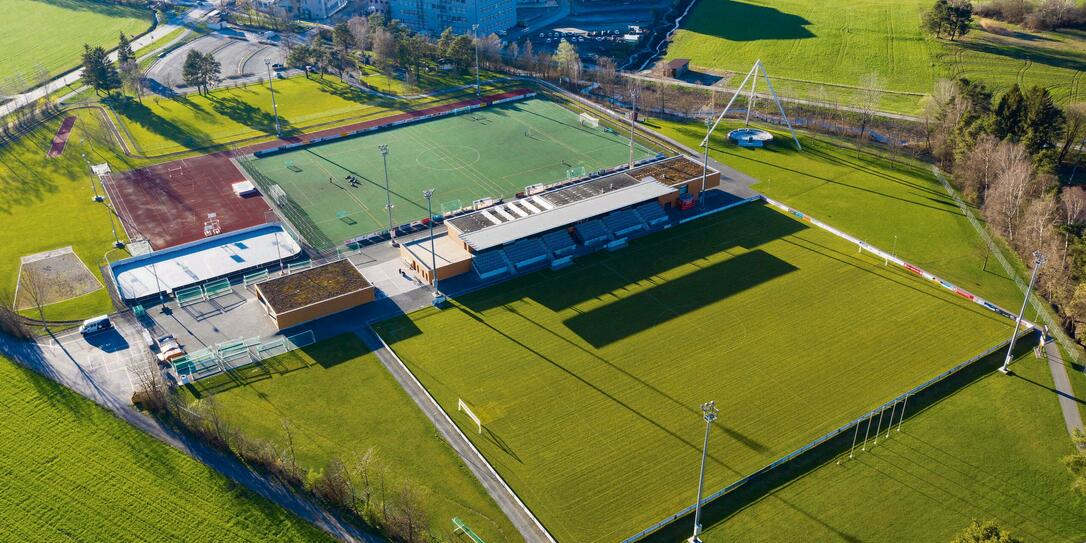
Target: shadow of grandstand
{"x": 766, "y": 484}
{"x": 644, "y": 259}
{"x": 672, "y": 299}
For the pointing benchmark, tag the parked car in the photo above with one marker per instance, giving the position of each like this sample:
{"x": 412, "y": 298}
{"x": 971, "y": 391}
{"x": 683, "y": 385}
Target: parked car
{"x": 168, "y": 349}
{"x": 95, "y": 325}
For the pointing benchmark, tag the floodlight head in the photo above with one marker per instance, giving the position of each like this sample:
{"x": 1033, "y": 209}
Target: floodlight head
{"x": 1038, "y": 258}
{"x": 709, "y": 411}
{"x": 267, "y": 62}
{"x": 428, "y": 193}
{"x": 383, "y": 148}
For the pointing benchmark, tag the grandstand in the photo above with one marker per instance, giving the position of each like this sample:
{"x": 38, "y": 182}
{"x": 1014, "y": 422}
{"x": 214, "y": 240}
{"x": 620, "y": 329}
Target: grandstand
{"x": 551, "y": 227}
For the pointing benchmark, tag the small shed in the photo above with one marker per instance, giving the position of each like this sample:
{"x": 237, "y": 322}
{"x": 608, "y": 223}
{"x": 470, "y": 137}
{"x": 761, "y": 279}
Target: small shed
{"x": 310, "y": 294}
{"x": 676, "y": 67}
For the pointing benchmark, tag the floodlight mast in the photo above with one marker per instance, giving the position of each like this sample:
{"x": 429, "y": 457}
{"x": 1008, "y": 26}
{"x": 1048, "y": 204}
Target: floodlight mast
{"x": 475, "y": 32}
{"x": 97, "y": 197}
{"x": 271, "y": 90}
{"x": 383, "y": 148}
{"x": 1038, "y": 261}
{"x": 429, "y": 194}
{"x": 633, "y": 119}
{"x": 709, "y": 413}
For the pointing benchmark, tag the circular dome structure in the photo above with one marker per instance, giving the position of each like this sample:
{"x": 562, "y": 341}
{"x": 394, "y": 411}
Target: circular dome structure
{"x": 750, "y": 137}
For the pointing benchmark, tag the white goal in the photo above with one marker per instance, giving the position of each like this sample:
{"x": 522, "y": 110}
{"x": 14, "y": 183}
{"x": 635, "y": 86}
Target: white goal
{"x": 461, "y": 406}
{"x": 589, "y": 121}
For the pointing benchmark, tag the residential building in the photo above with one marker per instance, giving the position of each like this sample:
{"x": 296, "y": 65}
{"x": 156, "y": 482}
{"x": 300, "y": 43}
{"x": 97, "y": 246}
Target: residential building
{"x": 434, "y": 16}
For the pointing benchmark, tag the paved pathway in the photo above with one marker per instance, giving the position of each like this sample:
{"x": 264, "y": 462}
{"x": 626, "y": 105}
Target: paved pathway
{"x": 1069, "y": 404}
{"x": 19, "y": 101}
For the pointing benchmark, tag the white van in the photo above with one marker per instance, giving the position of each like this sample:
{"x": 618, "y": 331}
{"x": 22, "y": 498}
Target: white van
{"x": 95, "y": 325}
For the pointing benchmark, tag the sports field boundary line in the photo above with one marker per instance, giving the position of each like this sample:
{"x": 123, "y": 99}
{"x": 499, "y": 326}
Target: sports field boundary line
{"x": 824, "y": 438}
{"x": 458, "y": 435}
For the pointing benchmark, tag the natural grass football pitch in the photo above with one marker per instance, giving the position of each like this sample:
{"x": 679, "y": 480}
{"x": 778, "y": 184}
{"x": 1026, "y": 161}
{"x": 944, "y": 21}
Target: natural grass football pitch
{"x": 588, "y": 380}
{"x": 838, "y": 43}
{"x": 73, "y": 471}
{"x": 373, "y": 414}
{"x": 495, "y": 151}
{"x": 50, "y": 35}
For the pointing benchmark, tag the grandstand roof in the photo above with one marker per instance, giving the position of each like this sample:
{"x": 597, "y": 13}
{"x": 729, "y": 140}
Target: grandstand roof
{"x": 499, "y": 225}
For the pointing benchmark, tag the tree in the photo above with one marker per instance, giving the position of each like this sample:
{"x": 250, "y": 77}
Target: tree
{"x": 343, "y": 39}
{"x": 124, "y": 50}
{"x": 1013, "y": 185}
{"x": 951, "y": 18}
{"x": 201, "y": 71}
{"x": 870, "y": 97}
{"x": 569, "y": 62}
{"x": 461, "y": 53}
{"x": 360, "y": 31}
{"x": 987, "y": 532}
{"x": 445, "y": 41}
{"x": 132, "y": 78}
{"x": 1074, "y": 130}
{"x": 98, "y": 71}
{"x": 1010, "y": 115}
{"x": 386, "y": 50}
{"x": 1044, "y": 124}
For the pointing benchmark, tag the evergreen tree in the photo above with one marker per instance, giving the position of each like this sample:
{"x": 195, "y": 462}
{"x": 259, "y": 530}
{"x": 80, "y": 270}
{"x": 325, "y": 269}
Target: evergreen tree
{"x": 1010, "y": 115}
{"x": 1044, "y": 124}
{"x": 444, "y": 43}
{"x": 201, "y": 71}
{"x": 985, "y": 533}
{"x": 98, "y": 71}
{"x": 124, "y": 50}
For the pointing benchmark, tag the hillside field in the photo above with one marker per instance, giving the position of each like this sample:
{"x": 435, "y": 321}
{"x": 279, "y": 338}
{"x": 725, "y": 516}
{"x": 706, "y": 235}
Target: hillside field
{"x": 587, "y": 380}
{"x": 70, "y": 24}
{"x": 71, "y": 471}
{"x": 837, "y": 43}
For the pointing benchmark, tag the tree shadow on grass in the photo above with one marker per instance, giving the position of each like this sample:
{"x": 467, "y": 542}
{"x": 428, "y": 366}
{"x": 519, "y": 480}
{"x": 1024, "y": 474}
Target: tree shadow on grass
{"x": 135, "y": 112}
{"x": 740, "y": 21}
{"x": 111, "y": 9}
{"x": 358, "y": 96}
{"x": 251, "y": 116}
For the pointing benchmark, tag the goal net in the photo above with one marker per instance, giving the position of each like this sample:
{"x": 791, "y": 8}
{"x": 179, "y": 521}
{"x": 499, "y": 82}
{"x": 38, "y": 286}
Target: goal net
{"x": 461, "y": 406}
{"x": 589, "y": 121}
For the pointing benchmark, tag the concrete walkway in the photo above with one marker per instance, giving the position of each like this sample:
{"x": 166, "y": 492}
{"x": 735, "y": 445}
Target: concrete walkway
{"x": 1069, "y": 404}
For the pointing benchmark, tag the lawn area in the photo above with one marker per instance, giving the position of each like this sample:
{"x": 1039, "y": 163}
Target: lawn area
{"x": 492, "y": 152}
{"x": 838, "y": 42}
{"x": 991, "y": 451}
{"x": 588, "y": 380}
{"x": 70, "y": 24}
{"x": 341, "y": 401}
{"x": 897, "y": 205}
{"x": 46, "y": 204}
{"x": 429, "y": 80}
{"x": 161, "y": 126}
{"x": 72, "y": 471}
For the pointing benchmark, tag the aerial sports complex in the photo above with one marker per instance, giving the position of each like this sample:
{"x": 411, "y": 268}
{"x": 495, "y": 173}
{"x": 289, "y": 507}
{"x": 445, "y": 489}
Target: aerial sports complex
{"x": 593, "y": 284}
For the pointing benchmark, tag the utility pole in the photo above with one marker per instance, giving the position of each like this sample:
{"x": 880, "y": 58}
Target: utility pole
{"x": 429, "y": 194}
{"x": 116, "y": 240}
{"x": 475, "y": 32}
{"x": 708, "y": 412}
{"x": 705, "y": 158}
{"x": 388, "y": 194}
{"x": 271, "y": 88}
{"x": 1038, "y": 261}
{"x": 97, "y": 197}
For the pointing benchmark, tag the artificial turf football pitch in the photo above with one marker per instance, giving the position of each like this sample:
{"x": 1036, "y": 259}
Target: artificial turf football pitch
{"x": 492, "y": 152}
{"x": 588, "y": 380}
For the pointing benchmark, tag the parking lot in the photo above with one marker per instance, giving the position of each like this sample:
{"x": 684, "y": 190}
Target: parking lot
{"x": 241, "y": 54}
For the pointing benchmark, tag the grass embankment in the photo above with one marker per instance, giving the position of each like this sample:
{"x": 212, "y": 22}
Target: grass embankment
{"x": 340, "y": 401}
{"x": 991, "y": 451}
{"x": 431, "y": 78}
{"x": 46, "y": 205}
{"x": 162, "y": 126}
{"x": 50, "y": 35}
{"x": 838, "y": 43}
{"x": 72, "y": 471}
{"x": 588, "y": 380}
{"x": 897, "y": 205}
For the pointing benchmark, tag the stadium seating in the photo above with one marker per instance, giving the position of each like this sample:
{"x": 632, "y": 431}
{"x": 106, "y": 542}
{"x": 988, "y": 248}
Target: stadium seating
{"x": 526, "y": 252}
{"x": 592, "y": 233}
{"x": 623, "y": 223}
{"x": 490, "y": 264}
{"x": 559, "y": 243}
{"x": 652, "y": 214}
